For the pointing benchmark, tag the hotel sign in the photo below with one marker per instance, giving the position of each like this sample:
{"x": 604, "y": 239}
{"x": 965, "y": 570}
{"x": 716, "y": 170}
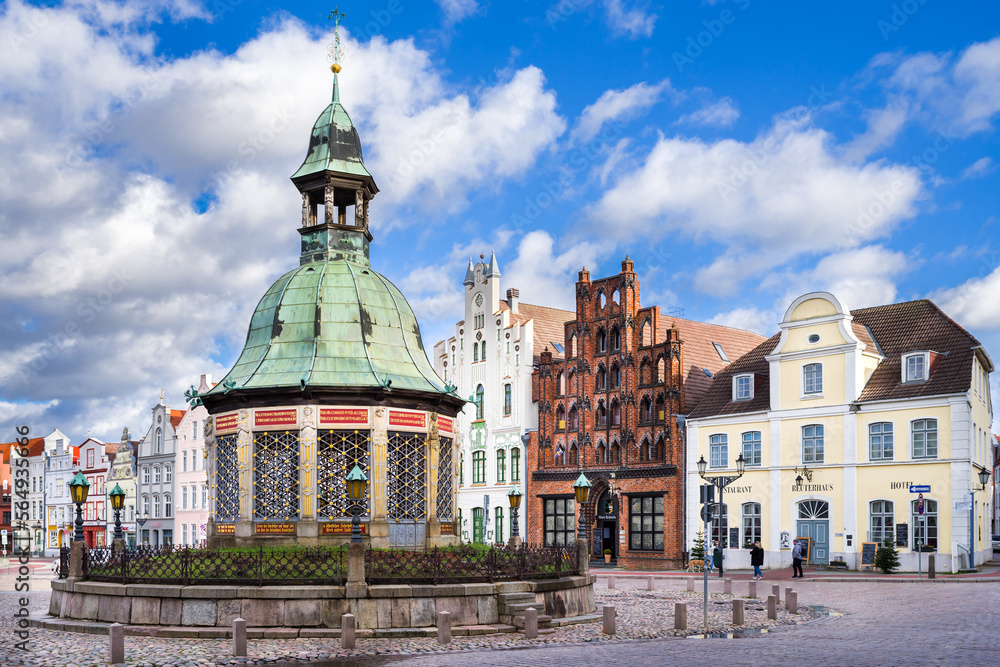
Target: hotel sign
{"x": 272, "y": 418}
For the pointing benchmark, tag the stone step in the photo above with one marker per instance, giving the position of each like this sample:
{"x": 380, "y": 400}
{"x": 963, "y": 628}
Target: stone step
{"x": 544, "y": 621}
{"x": 517, "y": 609}
{"x": 515, "y": 598}
{"x": 577, "y": 620}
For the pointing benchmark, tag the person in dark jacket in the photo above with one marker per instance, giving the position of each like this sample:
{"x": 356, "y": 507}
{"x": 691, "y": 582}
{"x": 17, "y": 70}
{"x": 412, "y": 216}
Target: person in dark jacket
{"x": 796, "y": 559}
{"x": 757, "y": 559}
{"x": 717, "y": 557}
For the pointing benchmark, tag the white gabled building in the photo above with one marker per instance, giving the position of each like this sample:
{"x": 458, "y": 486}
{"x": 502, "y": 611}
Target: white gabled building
{"x": 490, "y": 359}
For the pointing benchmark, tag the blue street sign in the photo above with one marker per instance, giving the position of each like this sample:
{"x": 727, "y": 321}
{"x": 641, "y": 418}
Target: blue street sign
{"x": 920, "y": 488}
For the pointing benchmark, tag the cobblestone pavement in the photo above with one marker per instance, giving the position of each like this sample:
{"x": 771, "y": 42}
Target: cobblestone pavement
{"x": 883, "y": 624}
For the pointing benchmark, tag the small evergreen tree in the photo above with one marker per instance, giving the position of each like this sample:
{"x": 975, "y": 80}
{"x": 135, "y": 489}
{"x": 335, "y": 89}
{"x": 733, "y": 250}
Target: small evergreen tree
{"x": 698, "y": 550}
{"x": 886, "y": 557}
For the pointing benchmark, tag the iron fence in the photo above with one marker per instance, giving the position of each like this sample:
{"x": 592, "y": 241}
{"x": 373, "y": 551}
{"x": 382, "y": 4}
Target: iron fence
{"x": 259, "y": 566}
{"x": 467, "y": 564}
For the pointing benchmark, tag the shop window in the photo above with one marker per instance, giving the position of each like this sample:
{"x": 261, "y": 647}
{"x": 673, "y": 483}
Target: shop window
{"x": 751, "y": 523}
{"x": 646, "y": 523}
{"x": 559, "y": 517}
{"x": 925, "y": 528}
{"x": 880, "y": 441}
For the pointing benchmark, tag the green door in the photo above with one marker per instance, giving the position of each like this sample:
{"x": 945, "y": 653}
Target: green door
{"x": 477, "y": 525}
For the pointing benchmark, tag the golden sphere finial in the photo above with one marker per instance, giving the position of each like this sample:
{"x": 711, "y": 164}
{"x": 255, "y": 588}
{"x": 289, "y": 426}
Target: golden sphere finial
{"x": 335, "y": 68}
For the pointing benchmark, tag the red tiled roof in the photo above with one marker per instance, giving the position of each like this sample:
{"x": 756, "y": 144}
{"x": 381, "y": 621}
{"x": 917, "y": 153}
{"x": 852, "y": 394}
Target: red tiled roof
{"x": 111, "y": 448}
{"x": 176, "y": 416}
{"x": 697, "y": 340}
{"x": 35, "y": 447}
{"x": 548, "y": 327}
{"x": 893, "y": 330}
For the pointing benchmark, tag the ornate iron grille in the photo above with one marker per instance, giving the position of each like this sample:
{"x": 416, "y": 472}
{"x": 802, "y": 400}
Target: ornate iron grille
{"x": 406, "y": 477}
{"x": 276, "y": 476}
{"x": 339, "y": 452}
{"x": 227, "y": 479}
{"x": 445, "y": 481}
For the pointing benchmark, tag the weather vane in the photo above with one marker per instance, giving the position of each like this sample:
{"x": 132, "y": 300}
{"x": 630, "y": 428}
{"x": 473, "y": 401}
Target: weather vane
{"x": 334, "y": 52}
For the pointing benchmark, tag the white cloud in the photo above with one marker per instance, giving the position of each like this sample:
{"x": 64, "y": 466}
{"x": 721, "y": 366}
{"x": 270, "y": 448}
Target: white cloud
{"x": 975, "y": 303}
{"x": 979, "y": 168}
{"x": 544, "y": 275}
{"x": 617, "y": 105}
{"x": 783, "y": 194}
{"x": 762, "y": 321}
{"x": 884, "y": 125}
{"x": 632, "y": 22}
{"x": 456, "y": 10}
{"x": 861, "y": 277}
{"x": 719, "y": 114}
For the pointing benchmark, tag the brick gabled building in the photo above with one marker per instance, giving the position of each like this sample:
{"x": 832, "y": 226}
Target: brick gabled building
{"x": 609, "y": 408}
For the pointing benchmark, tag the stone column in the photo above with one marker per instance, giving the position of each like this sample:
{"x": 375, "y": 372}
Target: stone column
{"x": 305, "y": 209}
{"x": 433, "y": 445}
{"x": 244, "y": 453}
{"x": 378, "y": 527}
{"x": 307, "y": 525}
{"x": 328, "y": 204}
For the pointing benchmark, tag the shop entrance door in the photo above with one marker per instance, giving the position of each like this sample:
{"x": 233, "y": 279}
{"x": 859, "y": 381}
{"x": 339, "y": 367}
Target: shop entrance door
{"x": 814, "y": 523}
{"x": 609, "y": 535}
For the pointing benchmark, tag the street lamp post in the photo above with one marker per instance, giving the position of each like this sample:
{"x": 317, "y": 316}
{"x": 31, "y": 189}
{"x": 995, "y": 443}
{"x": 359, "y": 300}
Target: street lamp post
{"x": 117, "y": 503}
{"x": 356, "y": 481}
{"x": 721, "y": 482}
{"x": 514, "y": 496}
{"x": 582, "y": 489}
{"x": 78, "y": 489}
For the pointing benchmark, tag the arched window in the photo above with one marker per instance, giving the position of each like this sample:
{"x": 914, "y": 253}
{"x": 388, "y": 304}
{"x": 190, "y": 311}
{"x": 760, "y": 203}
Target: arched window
{"x": 644, "y": 375}
{"x": 601, "y": 300}
{"x": 616, "y": 453}
{"x": 616, "y": 376}
{"x": 475, "y": 352}
{"x": 159, "y": 441}
{"x": 646, "y": 410}
{"x": 168, "y": 506}
{"x": 661, "y": 412}
{"x": 560, "y": 384}
{"x": 601, "y": 381}
{"x": 647, "y": 334}
{"x": 601, "y": 342}
{"x": 501, "y": 466}
{"x": 571, "y": 346}
{"x": 616, "y": 297}
{"x": 156, "y": 475}
{"x": 156, "y": 507}
{"x": 661, "y": 371}
{"x": 616, "y": 339}
{"x": 573, "y": 454}
{"x": 602, "y": 452}
{"x": 145, "y": 475}
{"x": 515, "y": 464}
{"x": 145, "y": 505}
{"x": 616, "y": 413}
{"x": 751, "y": 523}
{"x": 660, "y": 449}
{"x": 574, "y": 418}
{"x": 484, "y": 351}
{"x": 479, "y": 402}
{"x": 560, "y": 457}
{"x": 645, "y": 450}
{"x": 881, "y": 521}
{"x": 479, "y": 467}
{"x": 602, "y": 414}
{"x": 560, "y": 418}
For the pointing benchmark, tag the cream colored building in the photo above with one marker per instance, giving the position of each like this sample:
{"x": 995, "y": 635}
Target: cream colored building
{"x": 837, "y": 417}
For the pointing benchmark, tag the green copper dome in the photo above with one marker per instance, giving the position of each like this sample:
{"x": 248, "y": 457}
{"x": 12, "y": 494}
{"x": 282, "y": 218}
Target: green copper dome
{"x": 334, "y": 145}
{"x": 333, "y": 324}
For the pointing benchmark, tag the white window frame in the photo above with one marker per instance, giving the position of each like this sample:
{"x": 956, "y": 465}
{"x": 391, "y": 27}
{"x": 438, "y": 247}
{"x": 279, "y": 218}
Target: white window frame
{"x": 736, "y": 387}
{"x": 822, "y": 374}
{"x": 937, "y": 439}
{"x": 157, "y": 475}
{"x": 721, "y": 441}
{"x": 819, "y": 438}
{"x": 882, "y": 436}
{"x": 756, "y": 458}
{"x": 925, "y": 357}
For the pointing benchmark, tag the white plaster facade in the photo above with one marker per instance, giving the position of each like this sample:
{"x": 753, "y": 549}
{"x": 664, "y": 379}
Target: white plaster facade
{"x": 191, "y": 503}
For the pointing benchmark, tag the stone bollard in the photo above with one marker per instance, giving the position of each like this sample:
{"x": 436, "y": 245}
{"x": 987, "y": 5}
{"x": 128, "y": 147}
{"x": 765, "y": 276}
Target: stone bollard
{"x": 650, "y": 583}
{"x": 347, "y": 631}
{"x": 776, "y": 592}
{"x": 611, "y": 581}
{"x": 116, "y": 635}
{"x": 690, "y": 585}
{"x": 239, "y": 638}
{"x": 792, "y": 602}
{"x": 931, "y": 572}
{"x": 444, "y": 627}
{"x": 752, "y": 589}
{"x": 772, "y": 607}
{"x": 609, "y": 620}
{"x": 680, "y": 616}
{"x": 530, "y": 623}
{"x": 788, "y": 591}
{"x": 737, "y": 611}
{"x": 727, "y": 586}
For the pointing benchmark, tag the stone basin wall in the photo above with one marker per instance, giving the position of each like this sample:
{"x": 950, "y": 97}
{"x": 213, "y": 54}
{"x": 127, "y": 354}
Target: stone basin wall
{"x": 375, "y": 607}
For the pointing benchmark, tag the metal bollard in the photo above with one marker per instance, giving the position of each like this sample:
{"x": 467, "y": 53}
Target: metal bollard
{"x": 116, "y": 635}
{"x": 772, "y": 607}
{"x": 727, "y": 586}
{"x": 650, "y": 583}
{"x": 239, "y": 638}
{"x": 737, "y": 611}
{"x": 611, "y": 581}
{"x": 690, "y": 585}
{"x": 530, "y": 623}
{"x": 931, "y": 571}
{"x": 347, "y": 631}
{"x": 752, "y": 589}
{"x": 609, "y": 620}
{"x": 788, "y": 591}
{"x": 444, "y": 627}
{"x": 680, "y": 616}
{"x": 792, "y": 602}
{"x": 776, "y": 592}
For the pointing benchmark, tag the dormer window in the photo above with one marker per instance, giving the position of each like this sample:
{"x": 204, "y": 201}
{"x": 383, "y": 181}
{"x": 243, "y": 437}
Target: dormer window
{"x": 743, "y": 387}
{"x": 915, "y": 367}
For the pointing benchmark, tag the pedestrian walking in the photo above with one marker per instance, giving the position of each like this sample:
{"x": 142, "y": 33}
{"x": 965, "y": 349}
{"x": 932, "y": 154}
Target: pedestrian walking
{"x": 757, "y": 559}
{"x": 796, "y": 560}
{"x": 717, "y": 557}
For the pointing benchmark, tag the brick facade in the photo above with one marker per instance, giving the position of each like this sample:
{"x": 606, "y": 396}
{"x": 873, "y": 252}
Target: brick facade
{"x": 609, "y": 410}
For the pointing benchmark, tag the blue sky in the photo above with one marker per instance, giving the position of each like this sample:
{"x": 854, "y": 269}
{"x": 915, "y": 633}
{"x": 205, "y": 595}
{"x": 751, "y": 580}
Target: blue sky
{"x": 741, "y": 152}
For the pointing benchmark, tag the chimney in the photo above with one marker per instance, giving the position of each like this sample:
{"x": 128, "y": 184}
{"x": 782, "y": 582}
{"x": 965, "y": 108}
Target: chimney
{"x": 512, "y": 295}
{"x": 205, "y": 384}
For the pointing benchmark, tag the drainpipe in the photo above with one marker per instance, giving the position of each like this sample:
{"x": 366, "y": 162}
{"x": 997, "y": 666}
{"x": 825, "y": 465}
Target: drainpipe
{"x": 682, "y": 428}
